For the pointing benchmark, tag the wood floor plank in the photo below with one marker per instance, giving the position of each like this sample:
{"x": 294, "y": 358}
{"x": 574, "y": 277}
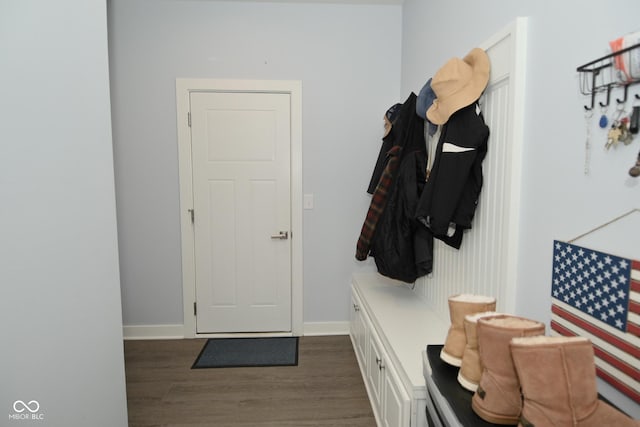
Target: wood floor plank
{"x": 324, "y": 390}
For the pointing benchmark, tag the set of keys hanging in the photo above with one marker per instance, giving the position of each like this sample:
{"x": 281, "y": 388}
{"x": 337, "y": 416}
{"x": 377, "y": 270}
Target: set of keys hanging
{"x": 622, "y": 130}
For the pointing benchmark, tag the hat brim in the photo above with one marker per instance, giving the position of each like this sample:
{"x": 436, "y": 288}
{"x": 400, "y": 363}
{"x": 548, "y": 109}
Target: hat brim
{"x": 442, "y": 109}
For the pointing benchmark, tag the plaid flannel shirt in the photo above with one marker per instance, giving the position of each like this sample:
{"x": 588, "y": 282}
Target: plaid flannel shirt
{"x": 378, "y": 203}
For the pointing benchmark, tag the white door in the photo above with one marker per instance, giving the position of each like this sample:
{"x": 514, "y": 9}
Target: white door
{"x": 241, "y": 145}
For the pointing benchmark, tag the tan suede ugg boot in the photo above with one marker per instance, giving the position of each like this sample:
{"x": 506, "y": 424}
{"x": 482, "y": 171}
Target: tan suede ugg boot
{"x": 459, "y": 306}
{"x": 558, "y": 379}
{"x": 497, "y": 399}
{"x": 471, "y": 367}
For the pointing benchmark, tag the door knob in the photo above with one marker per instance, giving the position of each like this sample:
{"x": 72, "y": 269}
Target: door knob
{"x": 283, "y": 235}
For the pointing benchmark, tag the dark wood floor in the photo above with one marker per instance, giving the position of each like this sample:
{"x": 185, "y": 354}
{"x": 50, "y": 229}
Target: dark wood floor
{"x": 325, "y": 389}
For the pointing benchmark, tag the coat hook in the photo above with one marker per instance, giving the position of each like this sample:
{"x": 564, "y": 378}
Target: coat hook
{"x": 608, "y": 97}
{"x": 593, "y": 96}
{"x": 593, "y": 92}
{"x": 623, "y": 100}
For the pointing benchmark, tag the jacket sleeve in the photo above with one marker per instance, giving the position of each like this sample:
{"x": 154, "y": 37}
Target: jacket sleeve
{"x": 381, "y": 163}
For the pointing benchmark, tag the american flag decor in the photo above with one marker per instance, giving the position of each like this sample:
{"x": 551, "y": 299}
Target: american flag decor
{"x": 597, "y": 295}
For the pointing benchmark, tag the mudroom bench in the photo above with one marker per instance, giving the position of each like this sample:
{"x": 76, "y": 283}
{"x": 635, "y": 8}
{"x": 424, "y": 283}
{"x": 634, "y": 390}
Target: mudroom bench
{"x": 390, "y": 327}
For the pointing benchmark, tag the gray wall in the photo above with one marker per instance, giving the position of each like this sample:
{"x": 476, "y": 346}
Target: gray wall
{"x": 559, "y": 200}
{"x": 61, "y": 324}
{"x": 348, "y": 59}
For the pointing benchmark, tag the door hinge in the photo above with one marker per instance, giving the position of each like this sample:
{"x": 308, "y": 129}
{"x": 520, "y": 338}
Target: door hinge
{"x": 189, "y": 118}
{"x": 195, "y": 308}
{"x": 192, "y": 215}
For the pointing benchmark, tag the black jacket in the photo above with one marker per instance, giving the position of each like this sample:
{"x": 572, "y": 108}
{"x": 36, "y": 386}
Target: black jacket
{"x": 450, "y": 196}
{"x": 402, "y": 248}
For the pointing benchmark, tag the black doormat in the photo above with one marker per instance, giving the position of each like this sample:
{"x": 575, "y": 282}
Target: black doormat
{"x": 244, "y": 352}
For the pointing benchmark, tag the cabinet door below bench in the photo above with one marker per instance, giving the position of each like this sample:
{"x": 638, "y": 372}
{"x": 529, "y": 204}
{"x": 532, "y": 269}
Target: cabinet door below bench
{"x": 358, "y": 328}
{"x": 391, "y": 400}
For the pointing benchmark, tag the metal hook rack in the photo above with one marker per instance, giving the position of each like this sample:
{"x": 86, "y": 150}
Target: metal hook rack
{"x": 595, "y": 68}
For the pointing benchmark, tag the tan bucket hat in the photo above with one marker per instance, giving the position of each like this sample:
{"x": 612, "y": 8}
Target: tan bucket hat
{"x": 457, "y": 84}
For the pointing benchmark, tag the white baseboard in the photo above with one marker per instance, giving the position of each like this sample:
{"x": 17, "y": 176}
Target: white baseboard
{"x": 326, "y": 328}
{"x": 176, "y": 332}
{"x": 153, "y": 332}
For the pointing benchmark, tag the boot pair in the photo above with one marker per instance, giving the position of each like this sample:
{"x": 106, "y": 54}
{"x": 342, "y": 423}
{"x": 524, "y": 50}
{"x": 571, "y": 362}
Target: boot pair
{"x": 459, "y": 307}
{"x": 461, "y": 346}
{"x": 505, "y": 359}
{"x": 537, "y": 381}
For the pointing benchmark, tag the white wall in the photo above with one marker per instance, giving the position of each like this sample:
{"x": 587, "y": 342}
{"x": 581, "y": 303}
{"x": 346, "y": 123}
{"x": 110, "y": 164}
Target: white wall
{"x": 60, "y": 316}
{"x": 559, "y": 201}
{"x": 348, "y": 59}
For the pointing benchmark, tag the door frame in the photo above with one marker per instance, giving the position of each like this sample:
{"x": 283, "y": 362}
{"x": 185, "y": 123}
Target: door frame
{"x": 184, "y": 87}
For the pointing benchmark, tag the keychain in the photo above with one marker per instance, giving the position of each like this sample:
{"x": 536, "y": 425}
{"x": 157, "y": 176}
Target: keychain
{"x": 619, "y": 131}
{"x": 603, "y": 122}
{"x": 587, "y": 143}
{"x": 613, "y": 136}
{"x": 625, "y": 134}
